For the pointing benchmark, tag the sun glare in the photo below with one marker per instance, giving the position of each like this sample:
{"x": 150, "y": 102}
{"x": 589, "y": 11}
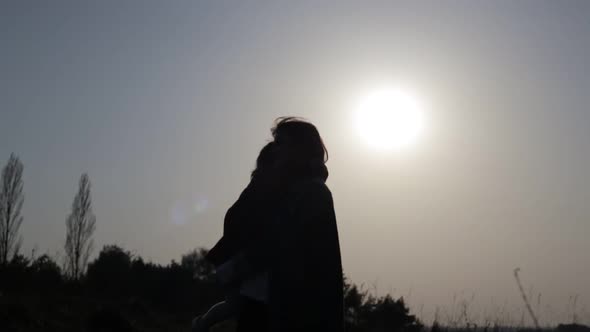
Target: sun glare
{"x": 389, "y": 119}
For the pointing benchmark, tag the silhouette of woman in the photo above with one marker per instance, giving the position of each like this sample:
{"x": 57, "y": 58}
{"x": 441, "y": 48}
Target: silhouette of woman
{"x": 298, "y": 245}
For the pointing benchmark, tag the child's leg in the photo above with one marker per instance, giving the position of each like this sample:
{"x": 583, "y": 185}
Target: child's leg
{"x": 218, "y": 313}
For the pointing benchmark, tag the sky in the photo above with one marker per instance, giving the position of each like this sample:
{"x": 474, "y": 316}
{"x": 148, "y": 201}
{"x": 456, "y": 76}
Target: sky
{"x": 165, "y": 104}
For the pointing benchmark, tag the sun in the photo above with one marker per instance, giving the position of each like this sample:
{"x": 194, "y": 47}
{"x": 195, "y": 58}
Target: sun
{"x": 389, "y": 119}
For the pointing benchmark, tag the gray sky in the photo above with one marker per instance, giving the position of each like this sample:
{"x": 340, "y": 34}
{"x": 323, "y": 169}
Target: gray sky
{"x": 166, "y": 103}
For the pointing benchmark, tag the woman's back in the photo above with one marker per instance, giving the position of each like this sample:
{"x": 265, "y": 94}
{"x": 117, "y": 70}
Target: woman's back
{"x": 306, "y": 289}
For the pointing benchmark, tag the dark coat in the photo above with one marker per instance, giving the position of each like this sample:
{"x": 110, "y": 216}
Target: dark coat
{"x": 244, "y": 223}
{"x": 301, "y": 251}
{"x": 233, "y": 231}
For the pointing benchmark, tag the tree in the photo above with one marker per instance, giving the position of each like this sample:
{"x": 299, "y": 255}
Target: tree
{"x": 110, "y": 272}
{"x": 195, "y": 262}
{"x": 11, "y": 203}
{"x": 80, "y": 227}
{"x": 46, "y": 274}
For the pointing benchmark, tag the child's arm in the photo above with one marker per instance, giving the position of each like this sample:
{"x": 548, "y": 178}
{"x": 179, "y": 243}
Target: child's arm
{"x": 218, "y": 313}
{"x": 234, "y": 271}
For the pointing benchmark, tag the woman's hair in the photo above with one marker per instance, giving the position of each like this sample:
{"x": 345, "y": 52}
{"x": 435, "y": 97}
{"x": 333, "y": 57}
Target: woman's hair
{"x": 307, "y": 152}
{"x": 300, "y": 135}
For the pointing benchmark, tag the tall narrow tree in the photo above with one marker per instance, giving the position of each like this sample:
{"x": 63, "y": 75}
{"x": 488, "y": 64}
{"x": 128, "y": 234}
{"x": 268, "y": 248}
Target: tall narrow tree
{"x": 80, "y": 226}
{"x": 11, "y": 203}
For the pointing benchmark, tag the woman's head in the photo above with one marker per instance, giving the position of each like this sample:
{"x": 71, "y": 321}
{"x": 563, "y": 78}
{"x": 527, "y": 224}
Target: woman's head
{"x": 300, "y": 148}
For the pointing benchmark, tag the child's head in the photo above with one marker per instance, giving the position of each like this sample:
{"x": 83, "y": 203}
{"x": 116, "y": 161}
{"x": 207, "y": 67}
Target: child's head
{"x": 265, "y": 160}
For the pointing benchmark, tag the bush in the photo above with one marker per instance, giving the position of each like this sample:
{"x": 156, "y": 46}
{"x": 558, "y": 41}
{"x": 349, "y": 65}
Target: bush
{"x": 364, "y": 312}
{"x": 110, "y": 273}
{"x": 15, "y": 276}
{"x": 46, "y": 274}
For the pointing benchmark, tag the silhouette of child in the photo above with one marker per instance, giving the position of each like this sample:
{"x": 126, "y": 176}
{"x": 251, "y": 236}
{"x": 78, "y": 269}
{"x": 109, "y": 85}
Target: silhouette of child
{"x": 242, "y": 225}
